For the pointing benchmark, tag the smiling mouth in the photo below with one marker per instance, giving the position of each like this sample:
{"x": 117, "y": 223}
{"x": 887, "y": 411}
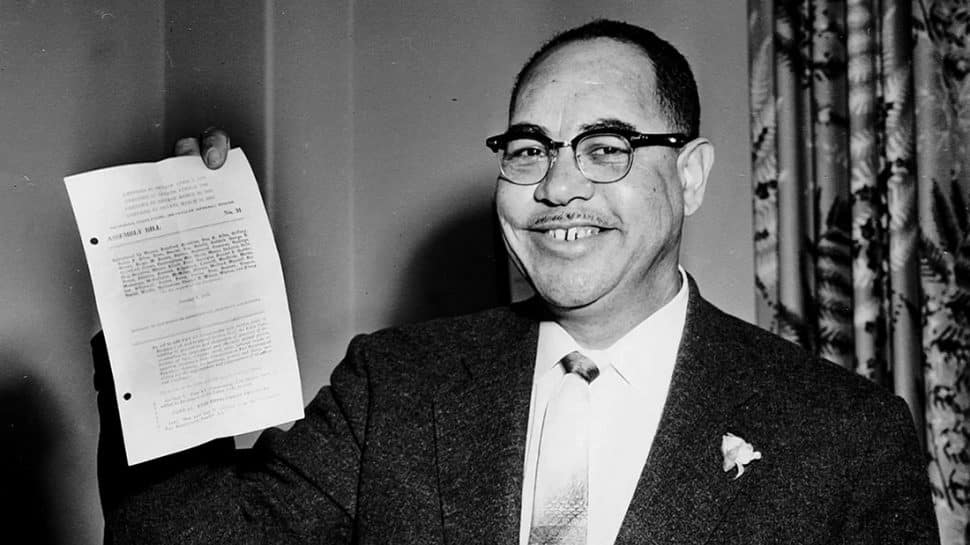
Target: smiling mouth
{"x": 572, "y": 233}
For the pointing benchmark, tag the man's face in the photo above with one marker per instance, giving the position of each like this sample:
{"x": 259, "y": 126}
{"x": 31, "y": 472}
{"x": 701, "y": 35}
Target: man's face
{"x": 628, "y": 232}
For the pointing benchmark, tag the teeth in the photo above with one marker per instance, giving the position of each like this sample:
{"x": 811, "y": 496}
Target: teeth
{"x": 573, "y": 233}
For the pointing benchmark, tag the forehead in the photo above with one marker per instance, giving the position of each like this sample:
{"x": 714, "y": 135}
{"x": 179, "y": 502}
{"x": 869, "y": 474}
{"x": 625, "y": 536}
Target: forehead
{"x": 583, "y": 82}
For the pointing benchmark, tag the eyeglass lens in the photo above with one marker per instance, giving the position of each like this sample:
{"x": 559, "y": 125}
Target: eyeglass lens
{"x": 601, "y": 158}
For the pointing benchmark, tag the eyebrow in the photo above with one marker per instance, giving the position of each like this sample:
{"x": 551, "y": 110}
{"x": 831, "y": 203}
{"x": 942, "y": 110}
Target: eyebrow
{"x": 527, "y": 129}
{"x": 532, "y": 129}
{"x": 607, "y": 123}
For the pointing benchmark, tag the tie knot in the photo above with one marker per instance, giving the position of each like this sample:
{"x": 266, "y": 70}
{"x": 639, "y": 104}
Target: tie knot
{"x": 574, "y": 362}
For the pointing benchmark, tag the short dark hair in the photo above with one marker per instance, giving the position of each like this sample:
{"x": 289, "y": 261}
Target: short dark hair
{"x": 675, "y": 86}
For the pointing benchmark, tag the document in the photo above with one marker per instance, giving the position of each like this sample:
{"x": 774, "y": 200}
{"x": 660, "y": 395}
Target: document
{"x": 190, "y": 292}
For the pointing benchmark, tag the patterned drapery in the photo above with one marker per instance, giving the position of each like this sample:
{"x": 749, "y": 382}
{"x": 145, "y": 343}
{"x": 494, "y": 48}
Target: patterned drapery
{"x": 860, "y": 120}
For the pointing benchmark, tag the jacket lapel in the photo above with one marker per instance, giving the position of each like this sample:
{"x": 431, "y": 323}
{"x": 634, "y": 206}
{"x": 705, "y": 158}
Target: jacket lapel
{"x": 683, "y": 489}
{"x": 481, "y": 434}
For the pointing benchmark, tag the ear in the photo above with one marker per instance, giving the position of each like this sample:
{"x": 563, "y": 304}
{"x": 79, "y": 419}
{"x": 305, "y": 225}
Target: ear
{"x": 693, "y": 166}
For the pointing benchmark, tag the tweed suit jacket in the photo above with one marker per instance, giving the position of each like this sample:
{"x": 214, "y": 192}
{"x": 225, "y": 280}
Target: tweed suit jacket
{"x": 420, "y": 439}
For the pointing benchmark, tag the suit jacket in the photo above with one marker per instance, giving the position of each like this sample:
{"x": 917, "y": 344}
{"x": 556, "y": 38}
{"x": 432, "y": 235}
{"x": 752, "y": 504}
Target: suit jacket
{"x": 420, "y": 438}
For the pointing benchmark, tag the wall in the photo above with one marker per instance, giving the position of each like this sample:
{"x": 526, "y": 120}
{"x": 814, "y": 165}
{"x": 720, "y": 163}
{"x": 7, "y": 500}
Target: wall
{"x": 365, "y": 121}
{"x": 312, "y": 152}
{"x": 79, "y": 89}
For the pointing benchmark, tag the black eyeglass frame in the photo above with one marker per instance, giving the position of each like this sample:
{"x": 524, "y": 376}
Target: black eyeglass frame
{"x": 635, "y": 139}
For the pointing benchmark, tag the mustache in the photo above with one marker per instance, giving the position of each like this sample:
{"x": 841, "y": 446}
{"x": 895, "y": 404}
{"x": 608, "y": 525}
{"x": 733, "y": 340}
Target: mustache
{"x": 570, "y": 216}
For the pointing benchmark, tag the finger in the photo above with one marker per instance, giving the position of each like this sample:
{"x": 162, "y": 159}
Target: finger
{"x": 215, "y": 147}
{"x": 187, "y": 146}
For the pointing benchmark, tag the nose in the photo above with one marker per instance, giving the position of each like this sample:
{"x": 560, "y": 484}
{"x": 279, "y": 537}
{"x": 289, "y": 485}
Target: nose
{"x": 564, "y": 182}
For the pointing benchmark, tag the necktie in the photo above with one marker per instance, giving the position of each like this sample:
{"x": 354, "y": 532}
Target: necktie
{"x": 559, "y": 511}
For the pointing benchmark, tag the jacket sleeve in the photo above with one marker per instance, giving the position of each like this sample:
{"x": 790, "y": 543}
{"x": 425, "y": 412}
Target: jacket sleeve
{"x": 297, "y": 486}
{"x": 891, "y": 495}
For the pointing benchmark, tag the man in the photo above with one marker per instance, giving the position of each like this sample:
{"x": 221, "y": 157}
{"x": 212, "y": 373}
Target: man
{"x": 618, "y": 406}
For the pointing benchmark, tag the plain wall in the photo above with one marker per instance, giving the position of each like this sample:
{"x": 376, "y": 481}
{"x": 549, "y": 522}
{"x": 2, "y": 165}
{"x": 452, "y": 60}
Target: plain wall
{"x": 365, "y": 122}
{"x": 80, "y": 88}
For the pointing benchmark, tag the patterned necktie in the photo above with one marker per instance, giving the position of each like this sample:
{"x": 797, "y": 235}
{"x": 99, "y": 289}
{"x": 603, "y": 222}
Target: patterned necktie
{"x": 559, "y": 511}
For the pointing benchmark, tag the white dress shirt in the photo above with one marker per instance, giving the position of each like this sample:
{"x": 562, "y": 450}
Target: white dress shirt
{"x": 626, "y": 399}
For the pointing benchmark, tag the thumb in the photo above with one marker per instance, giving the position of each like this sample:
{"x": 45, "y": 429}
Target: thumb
{"x": 214, "y": 147}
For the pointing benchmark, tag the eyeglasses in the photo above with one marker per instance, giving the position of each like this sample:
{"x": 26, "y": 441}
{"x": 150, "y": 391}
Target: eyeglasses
{"x": 602, "y": 155}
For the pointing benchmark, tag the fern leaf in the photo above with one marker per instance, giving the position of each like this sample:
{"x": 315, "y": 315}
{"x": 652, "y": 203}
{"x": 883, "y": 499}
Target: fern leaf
{"x": 794, "y": 327}
{"x": 934, "y": 263}
{"x": 761, "y": 80}
{"x": 945, "y": 220}
{"x": 959, "y": 205}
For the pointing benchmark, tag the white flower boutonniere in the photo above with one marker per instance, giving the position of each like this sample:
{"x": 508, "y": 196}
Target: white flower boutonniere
{"x": 737, "y": 453}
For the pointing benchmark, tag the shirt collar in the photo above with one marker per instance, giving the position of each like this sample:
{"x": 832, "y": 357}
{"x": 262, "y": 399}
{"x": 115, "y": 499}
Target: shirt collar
{"x": 658, "y": 335}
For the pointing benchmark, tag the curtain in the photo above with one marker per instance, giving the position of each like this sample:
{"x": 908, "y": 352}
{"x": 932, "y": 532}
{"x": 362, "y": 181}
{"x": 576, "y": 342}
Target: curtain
{"x": 860, "y": 112}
